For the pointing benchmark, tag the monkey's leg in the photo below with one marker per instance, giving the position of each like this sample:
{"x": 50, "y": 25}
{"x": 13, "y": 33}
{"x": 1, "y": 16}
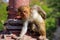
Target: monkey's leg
{"x": 41, "y": 28}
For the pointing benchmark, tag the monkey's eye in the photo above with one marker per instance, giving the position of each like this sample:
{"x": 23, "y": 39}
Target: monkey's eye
{"x": 24, "y": 11}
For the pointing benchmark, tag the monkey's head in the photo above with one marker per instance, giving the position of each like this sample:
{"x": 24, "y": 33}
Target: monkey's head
{"x": 24, "y": 12}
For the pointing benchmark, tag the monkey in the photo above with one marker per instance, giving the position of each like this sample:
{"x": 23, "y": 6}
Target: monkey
{"x": 23, "y": 14}
{"x": 32, "y": 15}
{"x": 39, "y": 20}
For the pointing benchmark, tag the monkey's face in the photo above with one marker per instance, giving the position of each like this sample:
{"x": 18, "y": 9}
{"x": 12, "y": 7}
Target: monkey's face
{"x": 24, "y": 12}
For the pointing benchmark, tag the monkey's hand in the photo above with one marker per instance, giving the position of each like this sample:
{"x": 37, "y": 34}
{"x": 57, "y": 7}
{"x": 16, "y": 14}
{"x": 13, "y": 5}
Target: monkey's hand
{"x": 19, "y": 38}
{"x": 41, "y": 38}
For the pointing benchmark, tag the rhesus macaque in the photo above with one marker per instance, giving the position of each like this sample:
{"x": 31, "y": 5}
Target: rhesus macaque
{"x": 32, "y": 15}
{"x": 24, "y": 14}
{"x": 39, "y": 20}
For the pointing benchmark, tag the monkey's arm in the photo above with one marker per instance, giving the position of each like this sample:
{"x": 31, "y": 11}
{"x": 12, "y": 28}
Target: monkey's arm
{"x": 24, "y": 29}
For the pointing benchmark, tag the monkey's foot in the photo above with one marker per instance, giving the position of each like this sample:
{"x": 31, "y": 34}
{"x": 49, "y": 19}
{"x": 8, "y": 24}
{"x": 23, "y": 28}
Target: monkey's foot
{"x": 42, "y": 38}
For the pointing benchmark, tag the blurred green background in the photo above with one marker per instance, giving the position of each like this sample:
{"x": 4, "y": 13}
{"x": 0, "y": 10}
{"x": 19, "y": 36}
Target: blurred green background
{"x": 51, "y": 7}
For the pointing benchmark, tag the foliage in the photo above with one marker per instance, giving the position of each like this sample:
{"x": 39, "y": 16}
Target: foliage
{"x": 55, "y": 5}
{"x": 3, "y": 14}
{"x": 50, "y": 27}
{"x": 34, "y": 2}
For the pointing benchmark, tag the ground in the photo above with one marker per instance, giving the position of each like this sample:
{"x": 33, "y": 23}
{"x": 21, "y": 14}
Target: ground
{"x": 27, "y": 36}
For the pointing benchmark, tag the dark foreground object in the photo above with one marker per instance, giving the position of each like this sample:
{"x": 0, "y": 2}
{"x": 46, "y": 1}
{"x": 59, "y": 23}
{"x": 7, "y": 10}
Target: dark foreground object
{"x": 7, "y": 35}
{"x": 14, "y": 26}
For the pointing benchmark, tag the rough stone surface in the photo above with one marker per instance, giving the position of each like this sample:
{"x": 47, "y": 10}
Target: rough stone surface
{"x": 57, "y": 34}
{"x": 26, "y": 37}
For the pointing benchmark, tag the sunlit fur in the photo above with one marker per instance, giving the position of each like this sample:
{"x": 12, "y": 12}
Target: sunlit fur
{"x": 24, "y": 9}
{"x": 24, "y": 12}
{"x": 36, "y": 17}
{"x": 39, "y": 21}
